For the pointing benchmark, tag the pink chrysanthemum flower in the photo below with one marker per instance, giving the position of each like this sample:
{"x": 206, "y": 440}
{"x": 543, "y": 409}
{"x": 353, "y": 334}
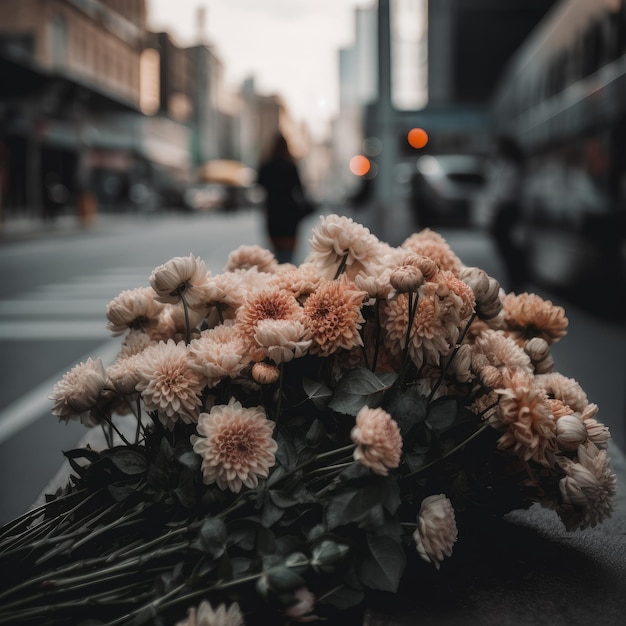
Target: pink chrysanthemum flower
{"x": 134, "y": 309}
{"x": 78, "y": 392}
{"x": 268, "y": 304}
{"x": 431, "y": 244}
{"x": 218, "y": 353}
{"x": 300, "y": 281}
{"x": 168, "y": 384}
{"x": 501, "y": 352}
{"x": 378, "y": 440}
{"x": 526, "y": 412}
{"x": 435, "y": 329}
{"x": 246, "y": 257}
{"x": 588, "y": 489}
{"x": 280, "y": 340}
{"x": 206, "y": 615}
{"x": 135, "y": 342}
{"x": 302, "y": 608}
{"x": 122, "y": 375}
{"x": 436, "y": 530}
{"x": 333, "y": 317}
{"x": 528, "y": 315}
{"x": 567, "y": 390}
{"x": 538, "y": 349}
{"x": 236, "y": 445}
{"x": 339, "y": 240}
{"x": 179, "y": 277}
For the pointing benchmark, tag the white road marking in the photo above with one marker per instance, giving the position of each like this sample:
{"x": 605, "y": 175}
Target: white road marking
{"x": 35, "y": 403}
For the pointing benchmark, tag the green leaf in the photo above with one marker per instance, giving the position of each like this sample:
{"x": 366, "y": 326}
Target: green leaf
{"x": 383, "y": 565}
{"x": 344, "y": 598}
{"x": 442, "y": 413}
{"x": 353, "y": 503}
{"x": 316, "y": 391}
{"x": 212, "y": 537}
{"x": 357, "y": 388}
{"x": 128, "y": 460}
{"x": 286, "y": 452}
{"x": 316, "y": 433}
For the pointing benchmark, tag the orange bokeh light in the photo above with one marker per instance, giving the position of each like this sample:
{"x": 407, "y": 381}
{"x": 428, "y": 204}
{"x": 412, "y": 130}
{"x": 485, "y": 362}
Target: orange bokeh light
{"x": 417, "y": 137}
{"x": 360, "y": 165}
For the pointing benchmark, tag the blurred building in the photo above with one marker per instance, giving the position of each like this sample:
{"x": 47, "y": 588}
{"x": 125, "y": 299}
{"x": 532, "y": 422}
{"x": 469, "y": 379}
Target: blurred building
{"x": 97, "y": 113}
{"x": 66, "y": 65}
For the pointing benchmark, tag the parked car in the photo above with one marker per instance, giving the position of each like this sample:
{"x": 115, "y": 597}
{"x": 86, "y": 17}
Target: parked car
{"x": 445, "y": 187}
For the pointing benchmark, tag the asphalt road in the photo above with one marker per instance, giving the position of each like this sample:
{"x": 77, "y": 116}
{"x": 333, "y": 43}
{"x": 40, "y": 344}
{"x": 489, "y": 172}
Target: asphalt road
{"x": 52, "y": 315}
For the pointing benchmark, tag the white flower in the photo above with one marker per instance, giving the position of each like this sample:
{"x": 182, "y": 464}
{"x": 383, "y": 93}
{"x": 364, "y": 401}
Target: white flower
{"x": 436, "y": 529}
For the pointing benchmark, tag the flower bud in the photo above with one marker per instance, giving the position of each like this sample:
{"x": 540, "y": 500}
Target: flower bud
{"x": 298, "y": 562}
{"x": 327, "y": 555}
{"x": 406, "y": 278}
{"x": 538, "y": 349}
{"x": 486, "y": 291}
{"x": 281, "y": 578}
{"x": 265, "y": 374}
{"x": 571, "y": 432}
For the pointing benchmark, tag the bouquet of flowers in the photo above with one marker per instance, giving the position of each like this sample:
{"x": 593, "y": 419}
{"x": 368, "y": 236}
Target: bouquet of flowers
{"x": 282, "y": 440}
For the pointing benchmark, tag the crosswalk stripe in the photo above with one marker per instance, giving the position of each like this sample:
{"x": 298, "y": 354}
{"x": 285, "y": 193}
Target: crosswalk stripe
{"x": 72, "y": 310}
{"x": 34, "y": 404}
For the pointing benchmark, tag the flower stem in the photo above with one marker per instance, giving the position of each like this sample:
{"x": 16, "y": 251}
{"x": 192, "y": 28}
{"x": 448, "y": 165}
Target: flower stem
{"x": 450, "y": 452}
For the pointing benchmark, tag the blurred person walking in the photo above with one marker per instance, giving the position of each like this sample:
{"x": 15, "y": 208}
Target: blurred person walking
{"x": 285, "y": 200}
{"x": 504, "y": 191}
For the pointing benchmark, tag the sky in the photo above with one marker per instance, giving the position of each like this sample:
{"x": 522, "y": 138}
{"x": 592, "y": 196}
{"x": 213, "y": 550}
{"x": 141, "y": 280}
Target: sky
{"x": 290, "y": 47}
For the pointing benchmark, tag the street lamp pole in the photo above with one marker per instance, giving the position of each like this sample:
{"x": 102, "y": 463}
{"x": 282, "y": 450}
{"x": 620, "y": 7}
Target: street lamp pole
{"x": 384, "y": 122}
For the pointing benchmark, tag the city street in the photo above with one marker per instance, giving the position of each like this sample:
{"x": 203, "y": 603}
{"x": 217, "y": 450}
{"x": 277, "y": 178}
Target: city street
{"x": 52, "y": 316}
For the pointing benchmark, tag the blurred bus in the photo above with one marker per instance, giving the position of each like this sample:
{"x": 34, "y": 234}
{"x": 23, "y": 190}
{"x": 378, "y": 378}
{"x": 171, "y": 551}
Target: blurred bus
{"x": 563, "y": 98}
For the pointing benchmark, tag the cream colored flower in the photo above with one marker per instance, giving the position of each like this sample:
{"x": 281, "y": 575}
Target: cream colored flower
{"x": 570, "y": 432}
{"x": 301, "y": 610}
{"x": 525, "y": 410}
{"x": 339, "y": 240}
{"x": 588, "y": 488}
{"x": 236, "y": 445}
{"x": 248, "y": 256}
{"x": 486, "y": 292}
{"x": 436, "y": 530}
{"x": 596, "y": 431}
{"x": 565, "y": 389}
{"x": 332, "y": 316}
{"x": 280, "y": 340}
{"x": 134, "y": 309}
{"x": 122, "y": 375}
{"x": 528, "y": 315}
{"x": 377, "y": 285}
{"x": 206, "y": 615}
{"x": 168, "y": 384}
{"x": 502, "y": 352}
{"x": 431, "y": 244}
{"x": 78, "y": 391}
{"x": 136, "y": 341}
{"x": 218, "y": 353}
{"x": 300, "y": 281}
{"x": 461, "y": 364}
{"x": 538, "y": 349}
{"x": 223, "y": 294}
{"x": 378, "y": 440}
{"x": 180, "y": 276}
